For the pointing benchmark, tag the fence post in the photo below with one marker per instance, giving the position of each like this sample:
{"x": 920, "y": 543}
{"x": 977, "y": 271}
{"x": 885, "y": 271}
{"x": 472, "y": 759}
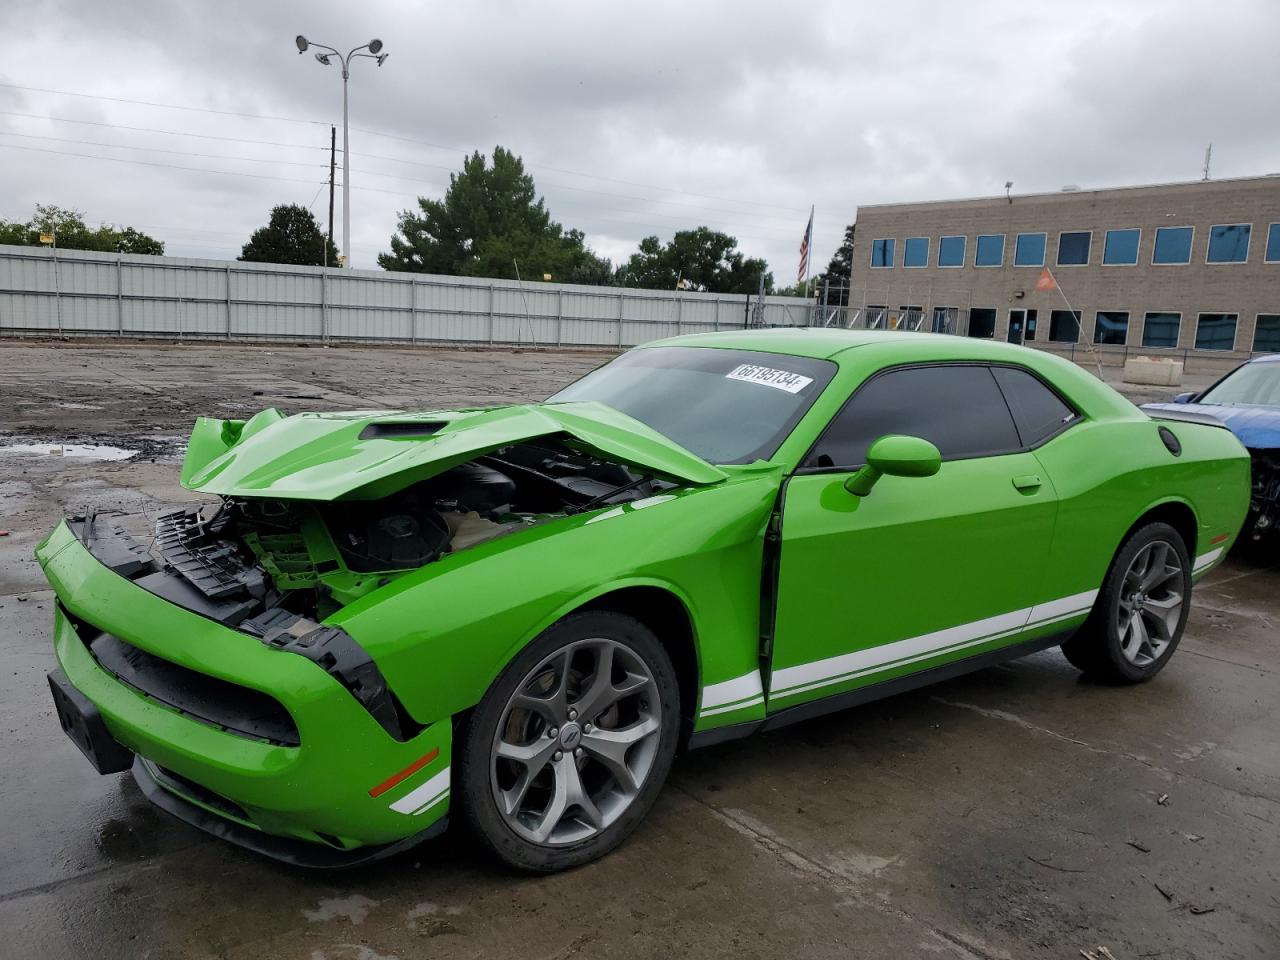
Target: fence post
{"x": 228, "y": 278}
{"x": 491, "y": 314}
{"x": 119, "y": 297}
{"x": 716, "y": 325}
{"x": 559, "y": 316}
{"x": 620, "y": 312}
{"x": 679, "y": 314}
{"x": 57, "y": 287}
{"x": 413, "y": 313}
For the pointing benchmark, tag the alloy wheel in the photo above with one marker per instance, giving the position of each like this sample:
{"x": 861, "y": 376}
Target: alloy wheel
{"x": 1150, "y": 605}
{"x": 576, "y": 742}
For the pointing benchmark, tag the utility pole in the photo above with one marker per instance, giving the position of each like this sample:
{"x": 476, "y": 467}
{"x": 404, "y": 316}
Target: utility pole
{"x": 333, "y": 148}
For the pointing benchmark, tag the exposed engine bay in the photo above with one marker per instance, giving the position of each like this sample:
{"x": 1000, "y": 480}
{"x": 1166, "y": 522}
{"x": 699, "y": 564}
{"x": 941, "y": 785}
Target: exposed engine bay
{"x": 1264, "y": 501}
{"x": 255, "y": 564}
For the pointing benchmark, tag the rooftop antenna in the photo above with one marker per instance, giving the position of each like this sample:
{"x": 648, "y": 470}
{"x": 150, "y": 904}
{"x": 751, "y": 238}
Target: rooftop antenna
{"x": 1008, "y": 186}
{"x": 1208, "y": 156}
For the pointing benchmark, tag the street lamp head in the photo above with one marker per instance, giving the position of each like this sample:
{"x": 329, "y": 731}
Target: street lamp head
{"x": 375, "y": 45}
{"x": 323, "y": 58}
{"x": 382, "y": 58}
{"x": 302, "y": 43}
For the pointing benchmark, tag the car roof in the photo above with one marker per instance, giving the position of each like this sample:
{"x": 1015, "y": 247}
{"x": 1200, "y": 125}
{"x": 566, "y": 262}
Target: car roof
{"x": 1269, "y": 358}
{"x": 825, "y": 343}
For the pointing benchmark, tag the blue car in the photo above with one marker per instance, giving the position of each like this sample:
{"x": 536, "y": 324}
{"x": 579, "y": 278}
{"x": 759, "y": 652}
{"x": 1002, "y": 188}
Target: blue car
{"x": 1247, "y": 400}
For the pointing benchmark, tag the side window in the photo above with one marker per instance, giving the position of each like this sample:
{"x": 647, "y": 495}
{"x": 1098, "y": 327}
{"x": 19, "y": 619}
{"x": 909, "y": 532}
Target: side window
{"x": 1037, "y": 411}
{"x": 958, "y": 408}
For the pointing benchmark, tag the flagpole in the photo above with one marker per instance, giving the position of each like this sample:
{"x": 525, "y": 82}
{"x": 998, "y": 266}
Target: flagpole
{"x": 1097, "y": 362}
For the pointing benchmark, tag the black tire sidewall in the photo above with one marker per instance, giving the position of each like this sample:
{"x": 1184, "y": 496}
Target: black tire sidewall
{"x": 1109, "y": 602}
{"x": 476, "y": 733}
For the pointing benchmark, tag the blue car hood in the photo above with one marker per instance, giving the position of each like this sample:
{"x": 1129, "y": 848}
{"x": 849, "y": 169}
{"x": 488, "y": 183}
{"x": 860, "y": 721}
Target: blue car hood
{"x": 1258, "y": 428}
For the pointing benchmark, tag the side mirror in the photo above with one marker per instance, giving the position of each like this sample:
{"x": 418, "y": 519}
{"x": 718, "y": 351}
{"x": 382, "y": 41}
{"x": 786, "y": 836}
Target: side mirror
{"x": 1184, "y": 398}
{"x": 895, "y": 456}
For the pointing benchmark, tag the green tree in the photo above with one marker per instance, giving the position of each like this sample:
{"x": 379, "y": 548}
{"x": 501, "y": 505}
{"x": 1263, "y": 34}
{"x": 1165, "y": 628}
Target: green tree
{"x": 839, "y": 270}
{"x": 491, "y": 218}
{"x": 73, "y": 234}
{"x": 291, "y": 235}
{"x": 702, "y": 258}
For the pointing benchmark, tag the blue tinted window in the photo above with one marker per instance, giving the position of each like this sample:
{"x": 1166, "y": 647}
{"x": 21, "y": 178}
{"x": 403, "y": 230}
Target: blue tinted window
{"x": 1121, "y": 247}
{"x": 1073, "y": 248}
{"x": 951, "y": 252}
{"x": 1216, "y": 331}
{"x": 1266, "y": 335}
{"x": 1229, "y": 243}
{"x": 1161, "y": 329}
{"x": 989, "y": 251}
{"x": 1273, "y": 243}
{"x": 1064, "y": 326}
{"x": 1173, "y": 245}
{"x": 1029, "y": 250}
{"x": 882, "y": 253}
{"x": 915, "y": 252}
{"x": 1111, "y": 326}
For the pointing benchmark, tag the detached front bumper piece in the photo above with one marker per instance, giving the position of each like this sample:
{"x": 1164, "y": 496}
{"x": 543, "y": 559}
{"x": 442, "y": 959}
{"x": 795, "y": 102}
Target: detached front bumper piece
{"x": 244, "y": 739}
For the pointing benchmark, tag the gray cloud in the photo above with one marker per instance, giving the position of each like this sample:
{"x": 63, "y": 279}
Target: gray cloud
{"x": 739, "y": 115}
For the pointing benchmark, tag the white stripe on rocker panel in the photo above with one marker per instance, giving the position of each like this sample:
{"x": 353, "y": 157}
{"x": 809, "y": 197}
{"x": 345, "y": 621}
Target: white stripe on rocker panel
{"x": 419, "y": 798}
{"x": 730, "y": 691}
{"x": 1205, "y": 559}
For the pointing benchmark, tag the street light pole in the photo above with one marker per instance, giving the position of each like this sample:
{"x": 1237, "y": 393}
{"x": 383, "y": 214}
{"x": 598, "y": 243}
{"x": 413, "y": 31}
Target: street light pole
{"x": 372, "y": 50}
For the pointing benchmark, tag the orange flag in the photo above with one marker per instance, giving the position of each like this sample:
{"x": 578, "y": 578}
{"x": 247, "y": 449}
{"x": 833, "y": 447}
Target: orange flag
{"x": 1046, "y": 282}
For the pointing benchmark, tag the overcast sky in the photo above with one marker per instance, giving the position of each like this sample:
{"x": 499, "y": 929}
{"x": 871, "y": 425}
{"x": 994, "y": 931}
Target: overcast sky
{"x": 634, "y": 118}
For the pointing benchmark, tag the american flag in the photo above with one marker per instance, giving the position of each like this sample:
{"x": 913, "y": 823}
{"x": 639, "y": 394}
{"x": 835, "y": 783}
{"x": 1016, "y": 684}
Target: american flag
{"x": 804, "y": 249}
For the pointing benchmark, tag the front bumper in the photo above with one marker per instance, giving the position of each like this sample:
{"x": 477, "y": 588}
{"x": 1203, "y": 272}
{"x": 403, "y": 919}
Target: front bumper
{"x": 329, "y": 790}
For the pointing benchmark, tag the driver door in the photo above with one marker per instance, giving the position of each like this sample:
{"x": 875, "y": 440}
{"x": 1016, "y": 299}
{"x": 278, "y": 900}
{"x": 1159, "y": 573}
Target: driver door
{"x": 922, "y": 570}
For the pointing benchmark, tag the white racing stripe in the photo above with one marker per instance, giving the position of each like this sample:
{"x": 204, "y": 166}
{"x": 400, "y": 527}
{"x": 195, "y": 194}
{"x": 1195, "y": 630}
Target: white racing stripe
{"x": 1205, "y": 560}
{"x": 745, "y": 691}
{"x": 425, "y": 796}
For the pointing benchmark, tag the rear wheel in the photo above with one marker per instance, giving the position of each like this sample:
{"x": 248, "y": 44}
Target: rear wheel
{"x": 569, "y": 748}
{"x": 1140, "y": 612}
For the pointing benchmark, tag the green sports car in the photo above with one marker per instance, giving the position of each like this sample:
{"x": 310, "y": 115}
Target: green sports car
{"x": 522, "y": 613}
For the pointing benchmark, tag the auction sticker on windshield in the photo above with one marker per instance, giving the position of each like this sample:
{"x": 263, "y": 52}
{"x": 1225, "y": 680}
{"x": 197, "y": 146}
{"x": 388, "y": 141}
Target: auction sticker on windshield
{"x": 770, "y": 377}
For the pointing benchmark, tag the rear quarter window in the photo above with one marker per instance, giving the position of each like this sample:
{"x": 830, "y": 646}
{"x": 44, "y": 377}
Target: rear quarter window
{"x": 1037, "y": 411}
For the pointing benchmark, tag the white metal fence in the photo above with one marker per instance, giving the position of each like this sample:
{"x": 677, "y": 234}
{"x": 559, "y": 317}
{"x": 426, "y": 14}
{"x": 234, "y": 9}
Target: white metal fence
{"x": 79, "y": 293}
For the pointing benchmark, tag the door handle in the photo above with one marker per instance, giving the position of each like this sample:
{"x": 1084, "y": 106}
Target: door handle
{"x": 1028, "y": 481}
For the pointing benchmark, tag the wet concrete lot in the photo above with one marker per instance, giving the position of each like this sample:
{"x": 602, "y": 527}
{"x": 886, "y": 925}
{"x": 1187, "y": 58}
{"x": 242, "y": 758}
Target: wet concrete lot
{"x": 1016, "y": 812}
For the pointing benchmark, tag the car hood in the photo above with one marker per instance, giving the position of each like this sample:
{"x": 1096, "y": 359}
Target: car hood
{"x": 1255, "y": 427}
{"x": 365, "y": 455}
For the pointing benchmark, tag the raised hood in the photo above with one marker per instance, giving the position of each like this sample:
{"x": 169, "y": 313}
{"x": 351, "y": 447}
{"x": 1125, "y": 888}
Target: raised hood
{"x": 367, "y": 455}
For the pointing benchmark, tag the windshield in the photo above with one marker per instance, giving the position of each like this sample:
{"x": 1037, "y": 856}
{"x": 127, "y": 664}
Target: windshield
{"x": 1253, "y": 383}
{"x": 727, "y": 406}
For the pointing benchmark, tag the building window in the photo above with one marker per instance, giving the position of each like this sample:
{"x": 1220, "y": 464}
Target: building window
{"x": 1121, "y": 248}
{"x": 944, "y": 319}
{"x": 1161, "y": 329}
{"x": 1216, "y": 331}
{"x": 882, "y": 253}
{"x": 1029, "y": 331}
{"x": 951, "y": 251}
{"x": 1028, "y": 250}
{"x": 989, "y": 251}
{"x": 1266, "y": 333}
{"x": 1111, "y": 326}
{"x": 909, "y": 318}
{"x": 982, "y": 322}
{"x": 1273, "y": 243}
{"x": 1173, "y": 245}
{"x": 1228, "y": 243}
{"x": 1064, "y": 326}
{"x": 877, "y": 317}
{"x": 915, "y": 252}
{"x": 1073, "y": 248}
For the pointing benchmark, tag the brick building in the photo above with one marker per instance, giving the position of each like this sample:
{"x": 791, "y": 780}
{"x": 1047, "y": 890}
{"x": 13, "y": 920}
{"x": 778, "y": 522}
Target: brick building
{"x": 1191, "y": 267}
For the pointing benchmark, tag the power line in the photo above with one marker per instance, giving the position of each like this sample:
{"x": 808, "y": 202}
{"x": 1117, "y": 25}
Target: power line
{"x": 180, "y": 153}
{"x": 153, "y": 163}
{"x": 168, "y": 133}
{"x": 166, "y": 106}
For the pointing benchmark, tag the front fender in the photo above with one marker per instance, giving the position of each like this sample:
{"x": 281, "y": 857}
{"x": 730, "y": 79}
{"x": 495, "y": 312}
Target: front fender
{"x": 441, "y": 634}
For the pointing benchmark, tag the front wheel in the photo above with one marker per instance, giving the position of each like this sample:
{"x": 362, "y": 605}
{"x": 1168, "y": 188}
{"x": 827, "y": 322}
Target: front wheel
{"x": 1141, "y": 610}
{"x": 570, "y": 746}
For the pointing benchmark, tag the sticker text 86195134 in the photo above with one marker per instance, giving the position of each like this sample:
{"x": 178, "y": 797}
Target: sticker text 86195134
{"x": 769, "y": 377}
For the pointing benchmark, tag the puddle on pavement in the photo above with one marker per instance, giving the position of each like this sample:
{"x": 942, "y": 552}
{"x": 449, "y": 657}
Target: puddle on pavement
{"x": 85, "y": 451}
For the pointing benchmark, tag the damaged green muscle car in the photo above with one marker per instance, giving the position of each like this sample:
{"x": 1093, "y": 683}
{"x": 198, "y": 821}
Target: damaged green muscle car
{"x": 522, "y": 613}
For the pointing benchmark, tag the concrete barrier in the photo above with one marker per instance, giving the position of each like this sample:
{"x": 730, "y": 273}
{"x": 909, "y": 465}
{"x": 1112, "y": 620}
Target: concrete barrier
{"x": 1160, "y": 372}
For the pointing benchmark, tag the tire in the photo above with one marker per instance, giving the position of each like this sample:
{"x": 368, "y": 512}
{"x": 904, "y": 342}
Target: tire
{"x": 555, "y": 774}
{"x": 1141, "y": 611}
